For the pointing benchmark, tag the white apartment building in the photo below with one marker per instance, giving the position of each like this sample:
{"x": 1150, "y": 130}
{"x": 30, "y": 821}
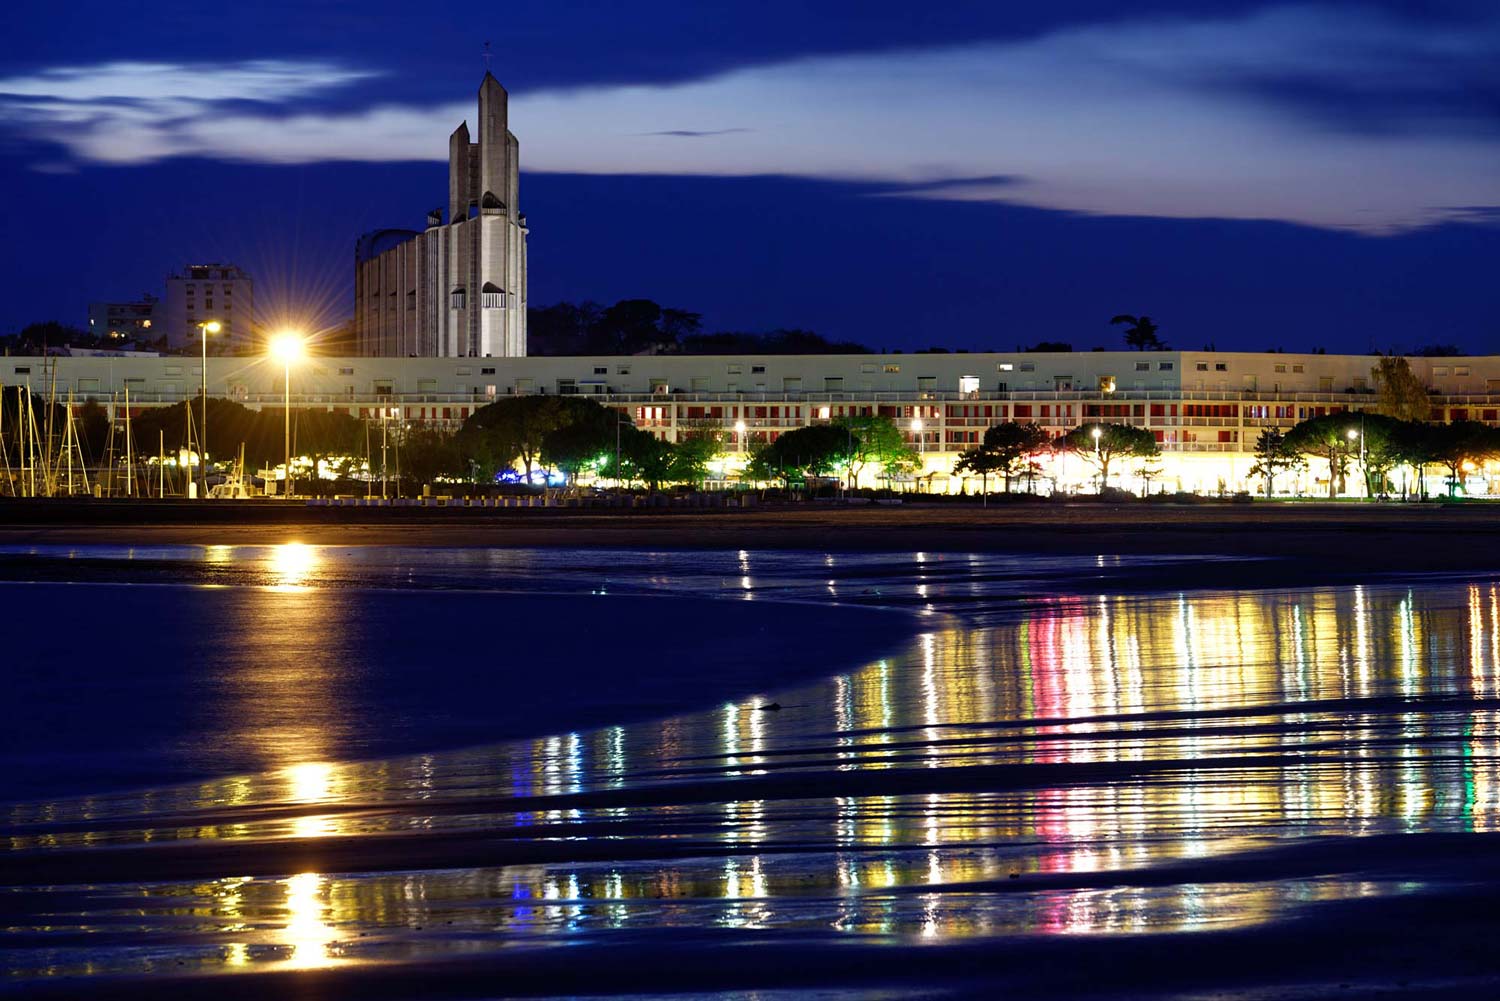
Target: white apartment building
{"x": 1206, "y": 409}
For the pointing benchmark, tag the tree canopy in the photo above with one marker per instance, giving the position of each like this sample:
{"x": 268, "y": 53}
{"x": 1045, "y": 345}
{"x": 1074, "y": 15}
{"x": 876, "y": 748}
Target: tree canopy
{"x": 1113, "y": 441}
{"x": 1140, "y": 332}
{"x": 1008, "y": 449}
{"x": 1402, "y": 395}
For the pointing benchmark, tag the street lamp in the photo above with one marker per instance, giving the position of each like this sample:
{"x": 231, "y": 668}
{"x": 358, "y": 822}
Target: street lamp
{"x": 1360, "y": 434}
{"x": 916, "y": 430}
{"x": 208, "y": 327}
{"x": 287, "y": 348}
{"x": 1098, "y": 432}
{"x": 739, "y": 430}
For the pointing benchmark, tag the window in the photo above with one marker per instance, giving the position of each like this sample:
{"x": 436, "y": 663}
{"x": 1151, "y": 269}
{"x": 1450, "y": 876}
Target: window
{"x": 1106, "y": 384}
{"x": 456, "y": 298}
{"x": 927, "y": 383}
{"x": 623, "y": 370}
{"x": 968, "y": 384}
{"x": 346, "y": 371}
{"x": 892, "y": 369}
{"x": 833, "y": 384}
{"x": 757, "y": 369}
{"x": 1280, "y": 368}
{"x": 1296, "y": 368}
{"x": 486, "y": 371}
{"x": 867, "y": 367}
{"x": 601, "y": 370}
{"x": 1220, "y": 367}
{"x": 492, "y": 296}
{"x": 1004, "y": 366}
{"x": 1461, "y": 370}
{"x": 733, "y": 369}
{"x": 791, "y": 384}
{"x": 23, "y": 370}
{"x": 1440, "y": 370}
{"x": 1202, "y": 366}
{"x": 1027, "y": 366}
{"x": 1143, "y": 366}
{"x": 464, "y": 371}
{"x": 1165, "y": 366}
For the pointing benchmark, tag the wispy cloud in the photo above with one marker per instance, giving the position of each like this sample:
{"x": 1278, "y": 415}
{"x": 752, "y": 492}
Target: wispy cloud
{"x": 695, "y": 133}
{"x": 1325, "y": 116}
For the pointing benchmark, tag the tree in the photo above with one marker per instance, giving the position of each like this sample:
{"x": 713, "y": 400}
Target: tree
{"x": 1008, "y": 450}
{"x": 1462, "y": 445}
{"x": 816, "y": 450}
{"x": 645, "y": 457}
{"x": 1273, "y": 457}
{"x": 583, "y": 440}
{"x": 427, "y": 454}
{"x": 1017, "y": 445}
{"x": 691, "y": 456}
{"x": 1402, "y": 395}
{"x": 514, "y": 429}
{"x": 876, "y": 441}
{"x": 1328, "y": 438}
{"x": 1113, "y": 441}
{"x": 1141, "y": 332}
{"x": 1375, "y": 439}
{"x": 981, "y": 462}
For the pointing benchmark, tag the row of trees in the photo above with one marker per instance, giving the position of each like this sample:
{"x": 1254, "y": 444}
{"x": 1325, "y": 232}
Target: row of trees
{"x": 1377, "y": 445}
{"x": 641, "y": 326}
{"x": 1013, "y": 449}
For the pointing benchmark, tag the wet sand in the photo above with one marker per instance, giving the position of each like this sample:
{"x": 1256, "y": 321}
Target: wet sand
{"x": 1353, "y": 538}
{"x": 1290, "y": 793}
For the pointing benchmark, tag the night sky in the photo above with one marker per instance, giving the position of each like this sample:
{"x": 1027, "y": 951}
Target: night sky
{"x": 974, "y": 175}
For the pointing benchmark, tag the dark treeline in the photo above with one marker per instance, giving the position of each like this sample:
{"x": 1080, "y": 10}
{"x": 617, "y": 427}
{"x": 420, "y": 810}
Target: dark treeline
{"x": 640, "y": 326}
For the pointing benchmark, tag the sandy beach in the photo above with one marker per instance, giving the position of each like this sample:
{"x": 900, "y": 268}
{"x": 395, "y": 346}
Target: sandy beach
{"x": 1337, "y": 538}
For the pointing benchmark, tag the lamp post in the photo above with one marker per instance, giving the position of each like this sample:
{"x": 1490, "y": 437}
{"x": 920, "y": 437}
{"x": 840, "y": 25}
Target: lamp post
{"x": 620, "y": 421}
{"x": 288, "y": 348}
{"x": 1098, "y": 432}
{"x": 1360, "y": 434}
{"x": 207, "y": 327}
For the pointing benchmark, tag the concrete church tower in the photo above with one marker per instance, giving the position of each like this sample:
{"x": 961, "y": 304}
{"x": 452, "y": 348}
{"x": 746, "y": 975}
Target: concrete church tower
{"x": 458, "y": 289}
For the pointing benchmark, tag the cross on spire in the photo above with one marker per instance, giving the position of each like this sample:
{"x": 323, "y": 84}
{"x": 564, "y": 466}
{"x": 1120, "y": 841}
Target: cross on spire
{"x": 488, "y": 55}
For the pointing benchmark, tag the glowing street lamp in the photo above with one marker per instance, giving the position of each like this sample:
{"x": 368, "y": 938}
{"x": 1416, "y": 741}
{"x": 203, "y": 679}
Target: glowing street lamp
{"x": 916, "y": 430}
{"x": 739, "y": 430}
{"x": 287, "y": 348}
{"x": 1098, "y": 432}
{"x": 208, "y": 327}
{"x": 1360, "y": 434}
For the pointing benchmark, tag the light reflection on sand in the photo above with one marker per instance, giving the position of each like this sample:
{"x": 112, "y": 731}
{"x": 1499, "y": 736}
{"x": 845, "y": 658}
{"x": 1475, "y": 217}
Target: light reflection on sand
{"x": 1104, "y": 734}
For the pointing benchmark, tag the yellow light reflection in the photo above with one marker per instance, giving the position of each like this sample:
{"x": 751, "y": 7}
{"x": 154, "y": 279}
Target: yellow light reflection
{"x": 291, "y": 564}
{"x": 307, "y": 933}
{"x": 310, "y": 782}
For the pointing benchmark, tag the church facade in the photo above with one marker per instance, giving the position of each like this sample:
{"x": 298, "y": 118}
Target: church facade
{"x": 456, "y": 289}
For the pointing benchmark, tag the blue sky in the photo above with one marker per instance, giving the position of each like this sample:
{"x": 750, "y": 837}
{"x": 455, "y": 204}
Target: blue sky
{"x": 975, "y": 175}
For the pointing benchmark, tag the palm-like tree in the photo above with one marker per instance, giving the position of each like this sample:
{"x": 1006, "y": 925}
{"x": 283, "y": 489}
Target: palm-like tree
{"x": 1141, "y": 334}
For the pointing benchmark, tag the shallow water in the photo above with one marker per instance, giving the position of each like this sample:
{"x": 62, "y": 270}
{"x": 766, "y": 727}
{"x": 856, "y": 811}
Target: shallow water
{"x": 1028, "y": 760}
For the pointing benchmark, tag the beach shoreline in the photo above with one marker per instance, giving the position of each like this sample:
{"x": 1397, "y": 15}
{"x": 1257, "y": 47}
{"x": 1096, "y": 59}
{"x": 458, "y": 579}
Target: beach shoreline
{"x": 1376, "y": 538}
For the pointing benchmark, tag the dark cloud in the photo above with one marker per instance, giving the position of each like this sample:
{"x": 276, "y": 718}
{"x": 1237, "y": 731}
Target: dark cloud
{"x": 950, "y": 184}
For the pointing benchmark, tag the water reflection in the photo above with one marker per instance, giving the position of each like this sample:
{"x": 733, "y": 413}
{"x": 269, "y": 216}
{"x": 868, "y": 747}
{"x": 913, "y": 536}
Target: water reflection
{"x": 997, "y": 779}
